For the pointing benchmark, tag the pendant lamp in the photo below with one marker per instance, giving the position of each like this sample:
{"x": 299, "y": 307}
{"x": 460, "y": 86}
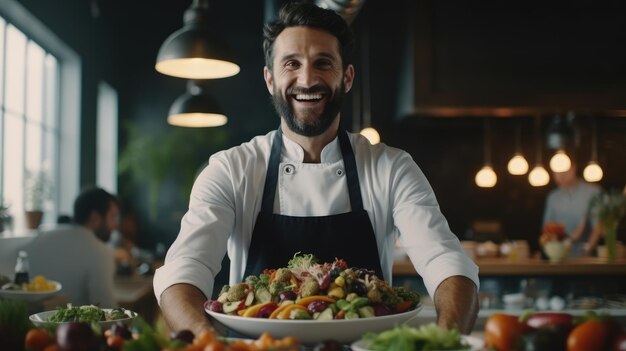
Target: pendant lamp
{"x": 517, "y": 164}
{"x": 486, "y": 176}
{"x": 192, "y": 52}
{"x": 195, "y": 109}
{"x": 593, "y": 172}
{"x": 561, "y": 136}
{"x": 538, "y": 176}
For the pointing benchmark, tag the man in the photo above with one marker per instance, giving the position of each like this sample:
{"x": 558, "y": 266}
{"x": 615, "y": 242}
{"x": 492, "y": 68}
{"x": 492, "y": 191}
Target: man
{"x": 569, "y": 205}
{"x": 76, "y": 254}
{"x": 313, "y": 188}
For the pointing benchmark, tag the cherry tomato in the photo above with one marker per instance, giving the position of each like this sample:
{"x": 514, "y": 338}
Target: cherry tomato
{"x": 37, "y": 339}
{"x": 503, "y": 331}
{"x": 589, "y": 335}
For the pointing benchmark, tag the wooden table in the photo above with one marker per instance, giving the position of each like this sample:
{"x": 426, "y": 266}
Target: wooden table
{"x": 535, "y": 267}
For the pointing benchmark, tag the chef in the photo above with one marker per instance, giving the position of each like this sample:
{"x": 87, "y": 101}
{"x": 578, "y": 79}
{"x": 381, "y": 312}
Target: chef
{"x": 311, "y": 187}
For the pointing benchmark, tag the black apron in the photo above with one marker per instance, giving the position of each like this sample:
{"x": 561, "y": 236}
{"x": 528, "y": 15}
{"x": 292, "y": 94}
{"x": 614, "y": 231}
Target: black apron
{"x": 348, "y": 236}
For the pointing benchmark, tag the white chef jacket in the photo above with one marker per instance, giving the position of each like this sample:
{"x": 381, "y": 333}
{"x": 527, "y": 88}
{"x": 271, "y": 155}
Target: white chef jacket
{"x": 227, "y": 195}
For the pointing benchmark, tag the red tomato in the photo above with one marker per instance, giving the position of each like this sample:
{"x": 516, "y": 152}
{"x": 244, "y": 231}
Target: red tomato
{"x": 589, "y": 335}
{"x": 502, "y": 331}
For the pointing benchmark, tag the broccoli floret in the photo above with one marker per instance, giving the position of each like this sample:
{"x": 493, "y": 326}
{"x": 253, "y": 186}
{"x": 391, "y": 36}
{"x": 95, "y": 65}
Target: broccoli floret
{"x": 237, "y": 292}
{"x": 309, "y": 287}
{"x": 277, "y": 287}
{"x": 375, "y": 296}
{"x": 407, "y": 295}
{"x": 251, "y": 280}
{"x": 282, "y": 275}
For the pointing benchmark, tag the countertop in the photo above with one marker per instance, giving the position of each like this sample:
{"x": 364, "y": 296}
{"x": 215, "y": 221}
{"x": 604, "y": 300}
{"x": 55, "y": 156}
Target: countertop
{"x": 501, "y": 266}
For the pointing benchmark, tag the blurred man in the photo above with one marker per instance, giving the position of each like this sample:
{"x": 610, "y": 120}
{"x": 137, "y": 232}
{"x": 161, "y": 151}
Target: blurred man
{"x": 76, "y": 254}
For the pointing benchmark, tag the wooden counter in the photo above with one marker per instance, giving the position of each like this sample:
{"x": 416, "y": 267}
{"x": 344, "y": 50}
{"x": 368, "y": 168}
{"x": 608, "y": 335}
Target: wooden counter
{"x": 535, "y": 267}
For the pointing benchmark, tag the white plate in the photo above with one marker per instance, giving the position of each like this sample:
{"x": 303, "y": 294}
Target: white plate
{"x": 475, "y": 343}
{"x": 30, "y": 295}
{"x": 41, "y": 318}
{"x": 312, "y": 331}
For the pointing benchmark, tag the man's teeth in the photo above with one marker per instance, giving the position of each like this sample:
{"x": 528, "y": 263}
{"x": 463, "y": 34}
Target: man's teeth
{"x": 308, "y": 97}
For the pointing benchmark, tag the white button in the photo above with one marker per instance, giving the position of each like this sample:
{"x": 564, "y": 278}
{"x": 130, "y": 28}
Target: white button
{"x": 288, "y": 169}
{"x": 339, "y": 172}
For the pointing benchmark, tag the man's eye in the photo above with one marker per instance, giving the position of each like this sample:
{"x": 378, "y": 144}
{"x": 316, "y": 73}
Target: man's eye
{"x": 292, "y": 64}
{"x": 324, "y": 64}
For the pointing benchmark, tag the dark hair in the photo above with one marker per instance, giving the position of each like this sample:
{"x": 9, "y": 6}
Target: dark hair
{"x": 308, "y": 15}
{"x": 92, "y": 199}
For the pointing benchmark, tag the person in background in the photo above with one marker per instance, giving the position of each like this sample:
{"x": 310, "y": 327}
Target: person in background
{"x": 311, "y": 187}
{"x": 569, "y": 205}
{"x": 76, "y": 254}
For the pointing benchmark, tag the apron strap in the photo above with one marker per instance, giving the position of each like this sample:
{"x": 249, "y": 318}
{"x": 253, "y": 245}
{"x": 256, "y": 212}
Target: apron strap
{"x": 349, "y": 161}
{"x": 271, "y": 177}
{"x": 356, "y": 201}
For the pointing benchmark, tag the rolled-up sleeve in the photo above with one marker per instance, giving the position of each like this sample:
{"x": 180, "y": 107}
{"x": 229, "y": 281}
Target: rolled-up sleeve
{"x": 424, "y": 234}
{"x": 196, "y": 255}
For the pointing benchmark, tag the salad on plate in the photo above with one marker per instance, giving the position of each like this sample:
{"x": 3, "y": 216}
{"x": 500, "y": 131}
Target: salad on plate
{"x": 308, "y": 290}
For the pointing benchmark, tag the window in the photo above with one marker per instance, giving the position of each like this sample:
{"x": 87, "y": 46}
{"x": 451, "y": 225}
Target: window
{"x": 39, "y": 83}
{"x": 106, "y": 158}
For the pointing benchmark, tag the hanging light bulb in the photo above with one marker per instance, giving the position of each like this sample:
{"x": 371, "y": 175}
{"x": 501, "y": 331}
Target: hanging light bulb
{"x": 371, "y": 134}
{"x": 593, "y": 172}
{"x": 560, "y": 162}
{"x": 538, "y": 176}
{"x": 517, "y": 164}
{"x": 486, "y": 176}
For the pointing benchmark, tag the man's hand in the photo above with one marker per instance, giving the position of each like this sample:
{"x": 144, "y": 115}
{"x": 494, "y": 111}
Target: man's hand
{"x": 183, "y": 308}
{"x": 456, "y": 302}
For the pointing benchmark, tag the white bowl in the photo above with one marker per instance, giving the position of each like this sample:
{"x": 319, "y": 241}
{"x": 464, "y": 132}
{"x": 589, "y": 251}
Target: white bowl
{"x": 475, "y": 343}
{"x": 30, "y": 296}
{"x": 41, "y": 319}
{"x": 313, "y": 331}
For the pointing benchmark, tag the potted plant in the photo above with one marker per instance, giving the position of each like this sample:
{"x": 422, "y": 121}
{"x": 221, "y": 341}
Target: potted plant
{"x": 37, "y": 191}
{"x": 610, "y": 207}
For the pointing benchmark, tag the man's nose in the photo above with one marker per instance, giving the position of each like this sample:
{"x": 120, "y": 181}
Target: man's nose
{"x": 307, "y": 76}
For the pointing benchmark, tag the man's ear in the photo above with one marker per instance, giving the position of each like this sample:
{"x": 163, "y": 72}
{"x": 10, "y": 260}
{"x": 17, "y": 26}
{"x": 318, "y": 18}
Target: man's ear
{"x": 348, "y": 78}
{"x": 269, "y": 80}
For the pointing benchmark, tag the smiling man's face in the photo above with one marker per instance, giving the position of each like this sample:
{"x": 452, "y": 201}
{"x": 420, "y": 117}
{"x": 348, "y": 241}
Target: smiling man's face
{"x": 307, "y": 81}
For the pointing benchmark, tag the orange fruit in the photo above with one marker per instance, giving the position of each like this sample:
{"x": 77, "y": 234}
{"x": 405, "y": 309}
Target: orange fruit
{"x": 37, "y": 339}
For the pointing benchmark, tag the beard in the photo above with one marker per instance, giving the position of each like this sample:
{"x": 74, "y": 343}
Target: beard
{"x": 309, "y": 125}
{"x": 103, "y": 232}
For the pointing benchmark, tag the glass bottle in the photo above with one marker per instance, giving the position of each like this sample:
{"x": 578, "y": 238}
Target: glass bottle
{"x": 21, "y": 268}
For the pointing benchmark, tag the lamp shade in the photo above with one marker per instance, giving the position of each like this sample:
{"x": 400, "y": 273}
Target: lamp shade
{"x": 560, "y": 162}
{"x": 192, "y": 52}
{"x": 195, "y": 109}
{"x": 538, "y": 176}
{"x": 593, "y": 172}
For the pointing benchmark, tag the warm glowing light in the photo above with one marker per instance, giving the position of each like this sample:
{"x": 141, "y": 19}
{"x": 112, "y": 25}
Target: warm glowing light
{"x": 197, "y": 68}
{"x": 517, "y": 165}
{"x": 197, "y": 120}
{"x": 593, "y": 172}
{"x": 486, "y": 177}
{"x": 371, "y": 134}
{"x": 538, "y": 176}
{"x": 560, "y": 162}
